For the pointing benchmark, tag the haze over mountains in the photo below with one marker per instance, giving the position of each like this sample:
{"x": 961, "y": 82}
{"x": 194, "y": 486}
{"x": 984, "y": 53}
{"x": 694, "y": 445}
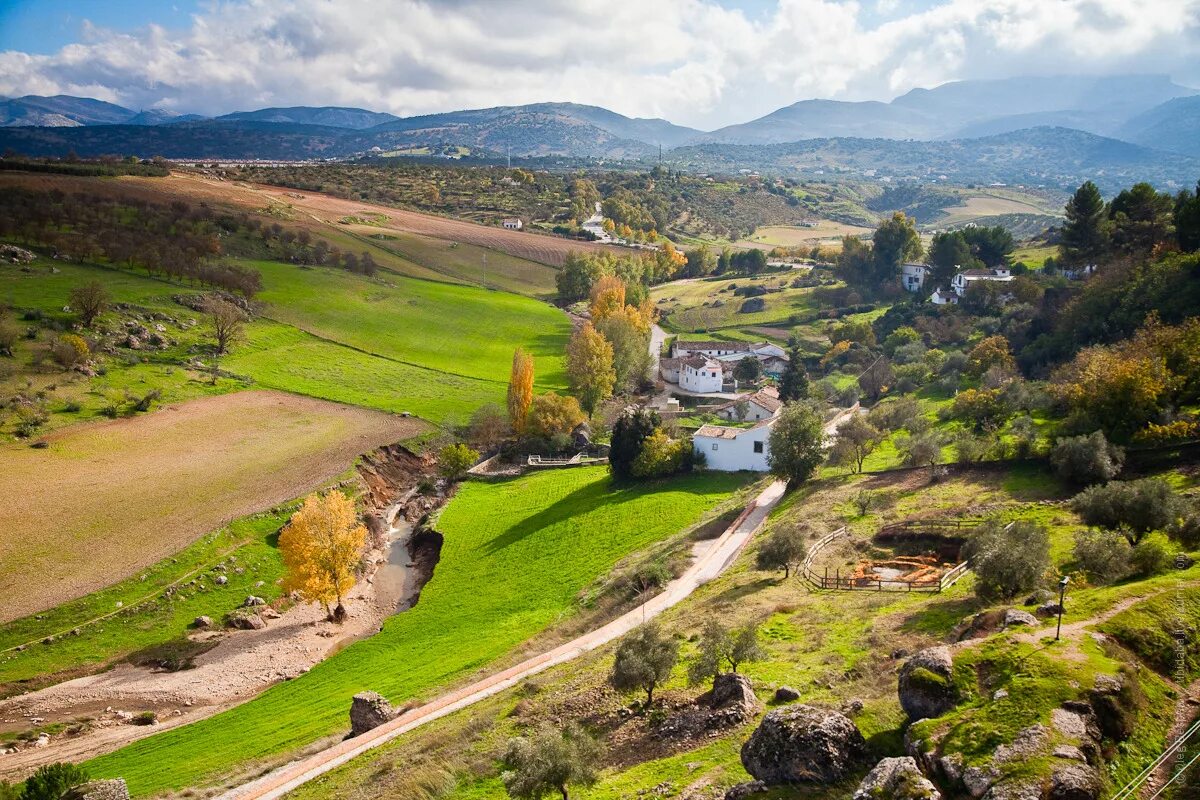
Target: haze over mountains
{"x": 1146, "y": 111}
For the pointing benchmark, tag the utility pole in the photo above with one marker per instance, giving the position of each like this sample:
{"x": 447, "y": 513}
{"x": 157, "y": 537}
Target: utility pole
{"x": 1062, "y": 592}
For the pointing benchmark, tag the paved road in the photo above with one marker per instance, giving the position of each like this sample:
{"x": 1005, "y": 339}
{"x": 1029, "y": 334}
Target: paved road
{"x": 718, "y": 557}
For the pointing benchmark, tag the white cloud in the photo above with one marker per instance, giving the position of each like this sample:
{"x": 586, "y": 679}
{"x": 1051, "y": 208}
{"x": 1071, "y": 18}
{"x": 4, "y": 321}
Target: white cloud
{"x": 692, "y": 61}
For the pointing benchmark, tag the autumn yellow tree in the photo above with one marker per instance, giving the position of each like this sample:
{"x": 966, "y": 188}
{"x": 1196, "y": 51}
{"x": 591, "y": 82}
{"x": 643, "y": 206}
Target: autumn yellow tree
{"x": 520, "y": 389}
{"x": 590, "y": 367}
{"x": 321, "y": 547}
{"x": 607, "y": 297}
{"x": 554, "y": 415}
{"x": 991, "y": 352}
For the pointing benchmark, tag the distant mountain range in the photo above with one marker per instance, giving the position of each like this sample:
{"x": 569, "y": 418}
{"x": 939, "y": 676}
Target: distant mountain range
{"x": 1148, "y": 113}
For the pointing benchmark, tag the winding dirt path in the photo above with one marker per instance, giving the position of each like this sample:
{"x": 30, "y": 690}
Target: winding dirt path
{"x": 719, "y": 556}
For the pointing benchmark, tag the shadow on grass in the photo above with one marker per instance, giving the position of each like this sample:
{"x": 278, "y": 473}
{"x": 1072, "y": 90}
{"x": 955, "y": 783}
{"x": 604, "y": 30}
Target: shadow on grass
{"x": 939, "y": 617}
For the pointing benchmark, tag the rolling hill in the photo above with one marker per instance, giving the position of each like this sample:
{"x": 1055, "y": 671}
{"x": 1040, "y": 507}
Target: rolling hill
{"x": 64, "y": 111}
{"x": 1174, "y": 125}
{"x": 330, "y": 116}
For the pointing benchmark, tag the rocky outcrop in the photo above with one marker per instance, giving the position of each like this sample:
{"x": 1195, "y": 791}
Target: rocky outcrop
{"x": 369, "y": 710}
{"x": 803, "y": 744}
{"x": 896, "y": 779}
{"x": 730, "y": 702}
{"x": 732, "y": 690}
{"x": 740, "y": 791}
{"x": 1016, "y": 790}
{"x": 786, "y": 694}
{"x": 1015, "y": 616}
{"x": 925, "y": 687}
{"x": 246, "y": 621}
{"x": 99, "y": 790}
{"x": 15, "y": 255}
{"x": 1074, "y": 782}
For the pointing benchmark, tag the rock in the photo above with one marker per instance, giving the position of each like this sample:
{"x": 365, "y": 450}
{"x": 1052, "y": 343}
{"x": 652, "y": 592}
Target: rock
{"x": 246, "y": 621}
{"x": 15, "y": 255}
{"x": 1074, "y": 782}
{"x": 1015, "y": 790}
{"x": 925, "y": 686}
{"x": 852, "y": 706}
{"x": 43, "y": 740}
{"x": 1116, "y": 715}
{"x": 801, "y": 743}
{"x": 368, "y": 711}
{"x": 896, "y": 779}
{"x": 220, "y": 580}
{"x": 1015, "y": 616}
{"x": 270, "y": 613}
{"x": 1070, "y": 753}
{"x": 1028, "y": 743}
{"x": 254, "y": 600}
{"x": 1000, "y": 694}
{"x": 978, "y": 781}
{"x": 1039, "y": 597}
{"x": 742, "y": 790}
{"x": 1050, "y": 608}
{"x": 202, "y": 621}
{"x": 114, "y": 789}
{"x": 952, "y": 767}
{"x": 124, "y": 716}
{"x": 733, "y": 691}
{"x": 786, "y": 694}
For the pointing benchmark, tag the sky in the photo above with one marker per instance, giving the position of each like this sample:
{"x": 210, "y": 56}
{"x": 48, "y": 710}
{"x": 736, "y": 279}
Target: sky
{"x": 702, "y": 63}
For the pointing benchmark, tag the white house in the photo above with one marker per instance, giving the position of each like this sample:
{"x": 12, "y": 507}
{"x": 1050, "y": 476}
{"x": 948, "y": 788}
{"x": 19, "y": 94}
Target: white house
{"x": 701, "y": 375}
{"x": 512, "y": 224}
{"x": 912, "y": 276}
{"x": 942, "y": 297}
{"x": 763, "y": 404}
{"x": 963, "y": 280}
{"x": 726, "y": 350}
{"x": 669, "y": 368}
{"x": 733, "y": 449}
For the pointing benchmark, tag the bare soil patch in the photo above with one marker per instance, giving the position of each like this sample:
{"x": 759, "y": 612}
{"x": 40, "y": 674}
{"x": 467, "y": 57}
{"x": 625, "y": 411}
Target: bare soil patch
{"x": 107, "y": 499}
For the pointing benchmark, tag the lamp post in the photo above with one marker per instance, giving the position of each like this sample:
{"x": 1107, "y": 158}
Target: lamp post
{"x": 1062, "y": 592}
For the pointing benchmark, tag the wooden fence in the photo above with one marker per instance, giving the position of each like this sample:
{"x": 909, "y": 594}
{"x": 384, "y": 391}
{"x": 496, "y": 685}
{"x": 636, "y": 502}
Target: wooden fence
{"x": 837, "y": 581}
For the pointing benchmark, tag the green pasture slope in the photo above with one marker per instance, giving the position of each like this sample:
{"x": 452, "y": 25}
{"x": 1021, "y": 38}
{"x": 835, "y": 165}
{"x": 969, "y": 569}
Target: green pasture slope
{"x": 393, "y": 343}
{"x": 516, "y": 555}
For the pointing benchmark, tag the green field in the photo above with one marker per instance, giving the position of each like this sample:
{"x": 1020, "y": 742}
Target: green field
{"x": 708, "y": 304}
{"x": 470, "y": 263}
{"x": 516, "y": 555}
{"x": 1032, "y": 256}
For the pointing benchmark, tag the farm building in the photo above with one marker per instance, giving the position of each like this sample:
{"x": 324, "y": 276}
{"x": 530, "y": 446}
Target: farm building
{"x": 734, "y": 350}
{"x": 669, "y": 368}
{"x": 912, "y": 276}
{"x": 963, "y": 280}
{"x": 513, "y": 224}
{"x": 728, "y": 449}
{"x": 701, "y": 375}
{"x": 763, "y": 404}
{"x": 942, "y": 297}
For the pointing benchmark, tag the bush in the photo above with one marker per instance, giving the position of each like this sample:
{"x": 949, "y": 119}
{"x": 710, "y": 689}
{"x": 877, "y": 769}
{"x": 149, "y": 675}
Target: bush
{"x": 455, "y": 459}
{"x": 1105, "y": 556}
{"x": 1152, "y": 556}
{"x": 1085, "y": 460}
{"x": 1134, "y": 507}
{"x": 969, "y": 448}
{"x": 10, "y": 332}
{"x": 69, "y": 350}
{"x": 52, "y": 781}
{"x": 1008, "y": 559}
{"x": 661, "y": 455}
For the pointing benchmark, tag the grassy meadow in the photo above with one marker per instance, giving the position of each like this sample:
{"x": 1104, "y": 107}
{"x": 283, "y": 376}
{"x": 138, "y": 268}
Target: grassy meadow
{"x": 516, "y": 555}
{"x": 709, "y": 304}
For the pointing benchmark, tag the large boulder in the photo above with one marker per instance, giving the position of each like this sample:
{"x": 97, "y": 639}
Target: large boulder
{"x": 114, "y": 789}
{"x": 1015, "y": 616}
{"x": 369, "y": 710}
{"x": 803, "y": 744}
{"x": 926, "y": 689}
{"x": 1074, "y": 782}
{"x": 786, "y": 694}
{"x": 896, "y": 779}
{"x": 733, "y": 690}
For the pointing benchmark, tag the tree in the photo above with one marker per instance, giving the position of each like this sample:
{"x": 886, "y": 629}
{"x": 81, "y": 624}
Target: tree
{"x": 579, "y": 272}
{"x": 876, "y": 379}
{"x": 321, "y": 547}
{"x": 793, "y": 384}
{"x": 783, "y": 549}
{"x": 989, "y": 244}
{"x": 550, "y": 761}
{"x": 748, "y": 370}
{"x": 488, "y": 427}
{"x": 1116, "y": 390}
{"x": 552, "y": 415}
{"x": 983, "y": 409}
{"x": 796, "y": 446}
{"x": 660, "y": 455}
{"x": 590, "y": 367}
{"x": 629, "y": 433}
{"x": 1008, "y": 559}
{"x": 896, "y": 241}
{"x": 52, "y": 781}
{"x": 922, "y": 450}
{"x": 644, "y": 661}
{"x": 720, "y": 647}
{"x": 855, "y": 262}
{"x": 520, "y": 390}
{"x": 1084, "y": 238}
{"x": 1085, "y": 460}
{"x": 455, "y": 459}
{"x": 607, "y": 297}
{"x": 856, "y": 439}
{"x": 1134, "y": 508}
{"x": 1187, "y": 219}
{"x": 948, "y": 253}
{"x": 1104, "y": 555}
{"x": 227, "y": 320}
{"x": 994, "y": 351}
{"x": 69, "y": 350}
{"x": 700, "y": 262}
{"x": 630, "y": 347}
{"x": 90, "y": 301}
{"x": 1141, "y": 219}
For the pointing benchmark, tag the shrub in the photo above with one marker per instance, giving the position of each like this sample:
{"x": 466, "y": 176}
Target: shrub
{"x": 1105, "y": 556}
{"x": 455, "y": 459}
{"x": 69, "y": 350}
{"x": 628, "y": 434}
{"x": 969, "y": 448}
{"x": 1134, "y": 507}
{"x": 10, "y": 332}
{"x": 661, "y": 455}
{"x": 1152, "y": 556}
{"x": 783, "y": 549}
{"x": 1008, "y": 559}
{"x": 1186, "y": 529}
{"x": 1085, "y": 460}
{"x": 30, "y": 417}
{"x": 52, "y": 781}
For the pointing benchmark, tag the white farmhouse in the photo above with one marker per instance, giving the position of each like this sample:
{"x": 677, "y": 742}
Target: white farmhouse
{"x": 669, "y": 368}
{"x": 763, "y": 404}
{"x": 513, "y": 224}
{"x": 942, "y": 297}
{"x": 701, "y": 375}
{"x": 733, "y": 449}
{"x": 963, "y": 280}
{"x": 726, "y": 350}
{"x": 912, "y": 276}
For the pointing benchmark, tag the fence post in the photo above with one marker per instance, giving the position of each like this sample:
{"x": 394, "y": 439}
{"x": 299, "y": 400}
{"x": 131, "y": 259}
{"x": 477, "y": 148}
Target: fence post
{"x": 880, "y": 584}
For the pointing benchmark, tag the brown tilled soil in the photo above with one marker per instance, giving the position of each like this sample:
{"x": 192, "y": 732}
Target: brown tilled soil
{"x": 107, "y": 499}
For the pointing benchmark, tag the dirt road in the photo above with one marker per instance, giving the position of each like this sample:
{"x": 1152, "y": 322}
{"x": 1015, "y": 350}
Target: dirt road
{"x": 718, "y": 557}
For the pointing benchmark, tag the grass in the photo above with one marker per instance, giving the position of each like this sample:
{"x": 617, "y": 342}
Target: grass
{"x": 692, "y": 306}
{"x": 1034, "y": 257}
{"x": 141, "y": 614}
{"x": 516, "y": 555}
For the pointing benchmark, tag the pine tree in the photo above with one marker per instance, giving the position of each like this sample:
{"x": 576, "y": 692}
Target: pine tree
{"x": 1084, "y": 234}
{"x": 793, "y": 384}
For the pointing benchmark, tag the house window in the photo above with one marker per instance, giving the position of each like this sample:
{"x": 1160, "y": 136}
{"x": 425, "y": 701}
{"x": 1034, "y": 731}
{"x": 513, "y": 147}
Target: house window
{"x": 758, "y": 447}
{"x": 714, "y": 445}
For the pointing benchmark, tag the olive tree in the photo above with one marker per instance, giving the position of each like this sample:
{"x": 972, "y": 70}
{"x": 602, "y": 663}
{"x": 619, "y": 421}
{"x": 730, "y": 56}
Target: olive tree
{"x": 550, "y": 761}
{"x": 783, "y": 549}
{"x": 722, "y": 647}
{"x": 644, "y": 661}
{"x": 1008, "y": 559}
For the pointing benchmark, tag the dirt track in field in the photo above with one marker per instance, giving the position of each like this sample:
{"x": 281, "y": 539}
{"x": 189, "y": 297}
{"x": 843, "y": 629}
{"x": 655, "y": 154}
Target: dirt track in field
{"x": 532, "y": 246}
{"x": 105, "y": 500}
